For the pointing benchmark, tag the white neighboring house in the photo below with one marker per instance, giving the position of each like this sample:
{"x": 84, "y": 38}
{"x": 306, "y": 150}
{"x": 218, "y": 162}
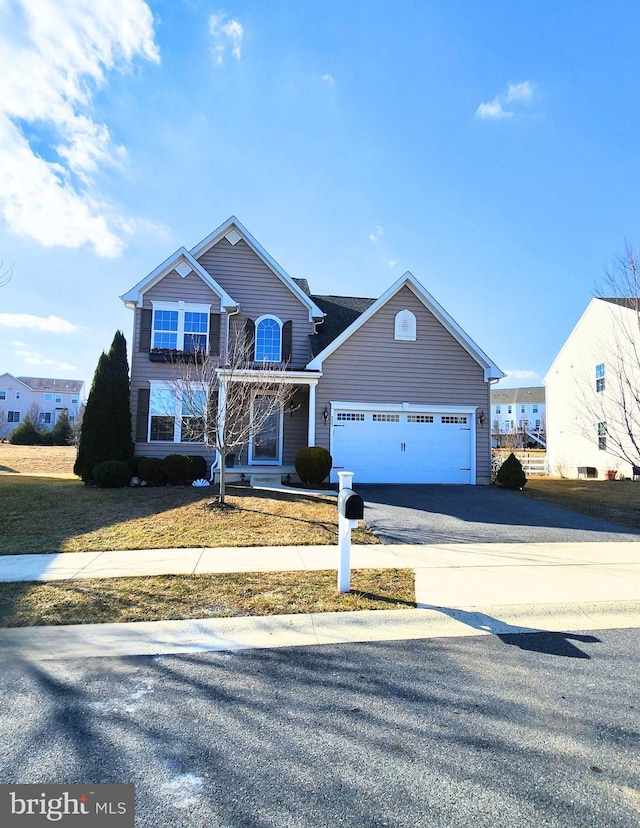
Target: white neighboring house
{"x": 593, "y": 410}
{"x": 518, "y": 413}
{"x": 50, "y": 397}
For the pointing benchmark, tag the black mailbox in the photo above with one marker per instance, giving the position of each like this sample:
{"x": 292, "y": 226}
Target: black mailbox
{"x": 350, "y": 505}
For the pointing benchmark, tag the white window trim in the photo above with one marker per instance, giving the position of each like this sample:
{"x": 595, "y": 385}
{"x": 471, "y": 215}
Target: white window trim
{"x": 278, "y": 461}
{"x": 255, "y": 344}
{"x": 181, "y": 308}
{"x": 159, "y": 385}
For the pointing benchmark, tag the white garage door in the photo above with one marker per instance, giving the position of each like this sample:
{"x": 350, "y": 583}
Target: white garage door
{"x": 402, "y": 446}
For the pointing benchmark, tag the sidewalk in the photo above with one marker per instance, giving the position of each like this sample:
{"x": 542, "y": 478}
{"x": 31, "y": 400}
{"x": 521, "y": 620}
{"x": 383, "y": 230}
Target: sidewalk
{"x": 461, "y": 589}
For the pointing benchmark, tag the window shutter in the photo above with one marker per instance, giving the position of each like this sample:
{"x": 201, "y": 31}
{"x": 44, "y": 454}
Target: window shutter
{"x": 214, "y": 334}
{"x": 144, "y": 343}
{"x": 142, "y": 417}
{"x": 250, "y": 338}
{"x": 287, "y": 341}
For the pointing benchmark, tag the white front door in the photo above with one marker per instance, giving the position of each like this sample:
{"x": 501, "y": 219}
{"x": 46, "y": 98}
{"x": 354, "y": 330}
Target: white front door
{"x": 266, "y": 432}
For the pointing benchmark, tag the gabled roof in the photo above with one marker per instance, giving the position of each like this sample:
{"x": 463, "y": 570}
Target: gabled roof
{"x": 227, "y": 229}
{"x": 491, "y": 370}
{"x": 17, "y": 379}
{"x": 341, "y": 311}
{"x": 184, "y": 262}
{"x": 66, "y": 386}
{"x": 501, "y": 396}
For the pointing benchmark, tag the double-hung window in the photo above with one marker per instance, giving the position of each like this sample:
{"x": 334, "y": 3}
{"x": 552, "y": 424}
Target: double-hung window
{"x": 602, "y": 436}
{"x": 175, "y": 416}
{"x": 600, "y": 380}
{"x": 180, "y": 326}
{"x": 13, "y": 416}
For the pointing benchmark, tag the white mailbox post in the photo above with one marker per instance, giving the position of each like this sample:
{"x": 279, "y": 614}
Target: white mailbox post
{"x": 350, "y": 509}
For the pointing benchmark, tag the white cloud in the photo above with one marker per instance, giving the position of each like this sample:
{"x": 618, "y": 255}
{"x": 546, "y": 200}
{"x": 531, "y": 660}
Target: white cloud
{"x": 35, "y": 358}
{"x": 376, "y": 234}
{"x": 520, "y": 94}
{"x": 391, "y": 263}
{"x": 51, "y": 324}
{"x": 53, "y": 56}
{"x": 225, "y": 34}
{"x": 66, "y": 367}
{"x": 329, "y": 79}
{"x": 520, "y": 374}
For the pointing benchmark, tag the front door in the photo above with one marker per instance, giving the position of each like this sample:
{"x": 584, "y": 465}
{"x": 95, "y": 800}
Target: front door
{"x": 266, "y": 431}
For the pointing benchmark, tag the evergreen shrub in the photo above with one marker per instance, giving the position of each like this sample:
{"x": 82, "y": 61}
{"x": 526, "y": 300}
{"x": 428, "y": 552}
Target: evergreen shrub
{"x": 511, "y": 474}
{"x": 313, "y": 464}
{"x": 112, "y": 474}
{"x": 25, "y": 434}
{"x": 177, "y": 469}
{"x": 151, "y": 470}
{"x": 197, "y": 467}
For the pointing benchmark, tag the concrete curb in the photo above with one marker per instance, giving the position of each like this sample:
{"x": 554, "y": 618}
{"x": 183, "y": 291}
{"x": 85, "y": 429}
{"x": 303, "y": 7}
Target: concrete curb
{"x": 154, "y": 638}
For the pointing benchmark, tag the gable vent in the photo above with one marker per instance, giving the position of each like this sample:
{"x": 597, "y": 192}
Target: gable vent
{"x": 233, "y": 237}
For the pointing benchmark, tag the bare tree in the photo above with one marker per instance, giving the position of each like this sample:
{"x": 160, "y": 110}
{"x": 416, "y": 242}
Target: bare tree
{"x": 611, "y": 402}
{"x": 5, "y": 276}
{"x": 230, "y": 400}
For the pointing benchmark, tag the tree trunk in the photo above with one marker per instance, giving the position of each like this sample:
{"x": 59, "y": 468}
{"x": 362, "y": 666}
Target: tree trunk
{"x": 221, "y": 490}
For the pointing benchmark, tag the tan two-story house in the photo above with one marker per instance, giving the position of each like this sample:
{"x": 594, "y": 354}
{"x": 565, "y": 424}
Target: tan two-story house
{"x": 392, "y": 387}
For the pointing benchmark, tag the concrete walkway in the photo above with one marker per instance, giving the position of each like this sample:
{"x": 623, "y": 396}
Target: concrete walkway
{"x": 461, "y": 589}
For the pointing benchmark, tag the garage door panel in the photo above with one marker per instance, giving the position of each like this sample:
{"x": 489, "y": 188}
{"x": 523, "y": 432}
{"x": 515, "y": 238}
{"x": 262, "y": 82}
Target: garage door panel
{"x": 402, "y": 447}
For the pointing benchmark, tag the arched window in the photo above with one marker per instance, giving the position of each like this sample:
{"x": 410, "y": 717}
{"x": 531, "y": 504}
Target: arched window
{"x": 405, "y": 327}
{"x": 268, "y": 339}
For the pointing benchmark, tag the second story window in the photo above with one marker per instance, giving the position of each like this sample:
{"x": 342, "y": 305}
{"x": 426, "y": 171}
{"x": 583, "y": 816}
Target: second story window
{"x": 3, "y": 395}
{"x": 600, "y": 381}
{"x": 180, "y": 328}
{"x": 268, "y": 339}
{"x": 497, "y": 409}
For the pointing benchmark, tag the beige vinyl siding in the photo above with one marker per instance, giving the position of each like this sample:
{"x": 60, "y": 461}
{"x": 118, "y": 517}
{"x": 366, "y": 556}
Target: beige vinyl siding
{"x": 371, "y": 366}
{"x": 252, "y": 284}
{"x": 173, "y": 288}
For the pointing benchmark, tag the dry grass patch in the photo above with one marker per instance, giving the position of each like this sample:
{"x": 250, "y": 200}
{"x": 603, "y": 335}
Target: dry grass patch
{"x": 615, "y": 500}
{"x": 49, "y": 515}
{"x": 49, "y": 461}
{"x": 174, "y": 597}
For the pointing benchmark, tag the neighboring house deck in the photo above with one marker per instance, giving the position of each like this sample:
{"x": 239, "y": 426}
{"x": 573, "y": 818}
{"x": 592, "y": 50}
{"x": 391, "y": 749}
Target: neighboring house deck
{"x": 518, "y": 417}
{"x": 43, "y": 398}
{"x": 392, "y": 386}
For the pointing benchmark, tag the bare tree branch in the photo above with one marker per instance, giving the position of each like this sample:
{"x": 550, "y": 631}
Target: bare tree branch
{"x": 5, "y": 277}
{"x": 228, "y": 402}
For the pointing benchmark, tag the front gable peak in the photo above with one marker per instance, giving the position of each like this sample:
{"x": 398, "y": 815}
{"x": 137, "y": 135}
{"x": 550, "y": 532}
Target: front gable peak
{"x": 491, "y": 370}
{"x": 233, "y": 231}
{"x": 183, "y": 263}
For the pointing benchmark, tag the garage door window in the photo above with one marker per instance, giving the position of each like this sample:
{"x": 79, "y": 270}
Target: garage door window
{"x": 386, "y": 418}
{"x": 419, "y": 418}
{"x": 454, "y": 420}
{"x": 351, "y": 416}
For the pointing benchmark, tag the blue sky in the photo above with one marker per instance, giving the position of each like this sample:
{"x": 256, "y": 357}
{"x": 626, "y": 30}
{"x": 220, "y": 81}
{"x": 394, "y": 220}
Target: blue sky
{"x": 491, "y": 148}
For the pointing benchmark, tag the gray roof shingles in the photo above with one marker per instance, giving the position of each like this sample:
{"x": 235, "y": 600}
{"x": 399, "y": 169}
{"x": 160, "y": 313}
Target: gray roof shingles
{"x": 340, "y": 312}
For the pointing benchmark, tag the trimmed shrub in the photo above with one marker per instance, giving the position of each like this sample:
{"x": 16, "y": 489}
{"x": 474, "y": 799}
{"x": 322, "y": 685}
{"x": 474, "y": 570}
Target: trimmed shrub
{"x": 151, "y": 470}
{"x": 177, "y": 469}
{"x": 511, "y": 474}
{"x": 313, "y": 464}
{"x": 112, "y": 474}
{"x": 134, "y": 463}
{"x": 25, "y": 434}
{"x": 62, "y": 432}
{"x": 197, "y": 467}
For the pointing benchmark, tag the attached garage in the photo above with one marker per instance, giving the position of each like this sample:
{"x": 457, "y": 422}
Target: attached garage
{"x": 403, "y": 444}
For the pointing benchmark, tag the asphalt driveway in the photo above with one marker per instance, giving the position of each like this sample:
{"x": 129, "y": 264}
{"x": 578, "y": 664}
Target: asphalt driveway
{"x": 476, "y": 514}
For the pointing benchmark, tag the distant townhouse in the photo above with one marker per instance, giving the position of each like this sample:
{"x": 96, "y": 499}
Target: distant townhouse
{"x": 45, "y": 399}
{"x": 518, "y": 417}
